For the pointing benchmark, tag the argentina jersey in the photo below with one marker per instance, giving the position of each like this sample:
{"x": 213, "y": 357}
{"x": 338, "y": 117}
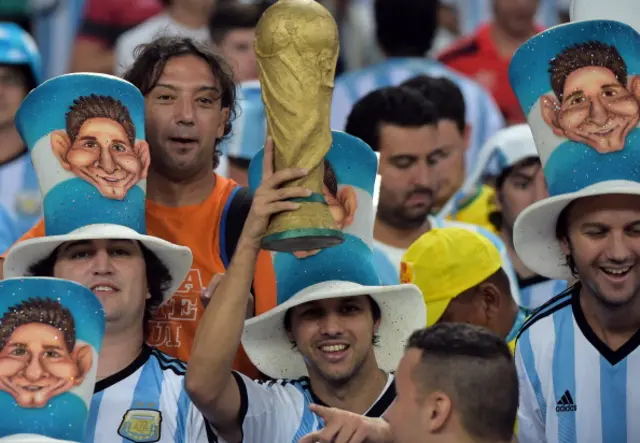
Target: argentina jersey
{"x": 20, "y": 192}
{"x": 146, "y": 402}
{"x": 573, "y": 388}
{"x": 482, "y": 114}
{"x": 278, "y": 411}
{"x": 536, "y": 291}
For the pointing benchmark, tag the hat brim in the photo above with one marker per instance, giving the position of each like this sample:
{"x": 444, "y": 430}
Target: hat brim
{"x": 23, "y": 255}
{"x": 435, "y": 310}
{"x": 31, "y": 438}
{"x": 534, "y": 234}
{"x": 402, "y": 311}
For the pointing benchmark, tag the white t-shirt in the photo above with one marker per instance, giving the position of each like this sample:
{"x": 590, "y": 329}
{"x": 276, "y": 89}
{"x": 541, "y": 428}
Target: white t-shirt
{"x": 161, "y": 25}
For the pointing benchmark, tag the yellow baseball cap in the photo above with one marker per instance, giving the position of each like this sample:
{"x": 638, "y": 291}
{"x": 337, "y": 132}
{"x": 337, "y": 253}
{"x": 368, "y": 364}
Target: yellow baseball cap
{"x": 445, "y": 262}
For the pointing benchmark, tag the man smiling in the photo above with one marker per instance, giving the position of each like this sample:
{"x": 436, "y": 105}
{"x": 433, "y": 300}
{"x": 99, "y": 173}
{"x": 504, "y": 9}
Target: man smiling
{"x": 335, "y": 335}
{"x": 577, "y": 354}
{"x": 101, "y": 243}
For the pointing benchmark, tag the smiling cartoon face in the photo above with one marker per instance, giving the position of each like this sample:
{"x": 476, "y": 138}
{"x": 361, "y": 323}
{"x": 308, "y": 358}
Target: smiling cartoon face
{"x": 597, "y": 103}
{"x": 99, "y": 146}
{"x": 39, "y": 358}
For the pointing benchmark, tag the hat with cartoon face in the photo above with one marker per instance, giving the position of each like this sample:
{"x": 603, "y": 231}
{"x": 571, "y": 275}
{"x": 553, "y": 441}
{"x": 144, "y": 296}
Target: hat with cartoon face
{"x": 85, "y": 134}
{"x": 345, "y": 270}
{"x": 51, "y": 333}
{"x": 579, "y": 85}
{"x": 504, "y": 149}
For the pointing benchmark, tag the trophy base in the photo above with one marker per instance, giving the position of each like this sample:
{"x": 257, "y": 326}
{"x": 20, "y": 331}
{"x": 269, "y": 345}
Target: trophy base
{"x": 32, "y": 438}
{"x": 306, "y": 239}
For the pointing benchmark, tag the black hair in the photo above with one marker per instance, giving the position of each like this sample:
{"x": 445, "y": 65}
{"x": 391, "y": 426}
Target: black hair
{"x": 444, "y": 94}
{"x": 475, "y": 368}
{"x": 392, "y": 105}
{"x": 495, "y": 217}
{"x": 375, "y": 314}
{"x": 406, "y": 27}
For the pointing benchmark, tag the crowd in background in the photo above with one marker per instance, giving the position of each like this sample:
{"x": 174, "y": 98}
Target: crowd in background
{"x": 425, "y": 85}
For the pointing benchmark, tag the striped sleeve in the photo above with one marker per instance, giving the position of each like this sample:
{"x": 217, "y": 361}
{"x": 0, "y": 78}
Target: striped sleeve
{"x": 531, "y": 427}
{"x": 272, "y": 411}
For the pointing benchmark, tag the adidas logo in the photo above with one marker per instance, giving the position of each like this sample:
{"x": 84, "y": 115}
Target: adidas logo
{"x": 566, "y": 404}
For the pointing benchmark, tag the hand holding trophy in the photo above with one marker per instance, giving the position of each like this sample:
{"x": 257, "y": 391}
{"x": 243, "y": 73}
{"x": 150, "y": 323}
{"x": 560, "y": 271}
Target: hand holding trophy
{"x": 297, "y": 49}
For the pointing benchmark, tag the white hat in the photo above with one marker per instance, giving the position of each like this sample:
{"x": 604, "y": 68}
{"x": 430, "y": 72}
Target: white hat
{"x": 267, "y": 345}
{"x": 345, "y": 270}
{"x": 82, "y": 200}
{"x": 25, "y": 254}
{"x": 582, "y": 163}
{"x": 505, "y": 148}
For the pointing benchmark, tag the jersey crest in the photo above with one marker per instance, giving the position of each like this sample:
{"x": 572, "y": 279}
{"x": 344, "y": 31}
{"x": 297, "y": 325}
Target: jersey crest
{"x": 141, "y": 425}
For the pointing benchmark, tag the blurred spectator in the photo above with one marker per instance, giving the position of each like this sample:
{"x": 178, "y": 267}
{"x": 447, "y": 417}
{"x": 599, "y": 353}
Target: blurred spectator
{"x": 104, "y": 21}
{"x": 453, "y": 142}
{"x": 405, "y": 31}
{"x": 474, "y": 13}
{"x": 232, "y": 30}
{"x": 55, "y": 29}
{"x": 184, "y": 18}
{"x": 8, "y": 230}
{"x": 20, "y": 71}
{"x": 247, "y": 135}
{"x": 401, "y": 125}
{"x": 485, "y": 56}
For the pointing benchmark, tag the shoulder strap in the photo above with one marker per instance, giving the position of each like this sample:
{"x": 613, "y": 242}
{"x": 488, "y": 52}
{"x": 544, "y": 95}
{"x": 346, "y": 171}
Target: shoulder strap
{"x": 234, "y": 214}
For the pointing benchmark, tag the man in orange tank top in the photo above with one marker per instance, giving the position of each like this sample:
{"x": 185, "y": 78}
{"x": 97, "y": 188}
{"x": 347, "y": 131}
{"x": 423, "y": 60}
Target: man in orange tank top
{"x": 189, "y": 105}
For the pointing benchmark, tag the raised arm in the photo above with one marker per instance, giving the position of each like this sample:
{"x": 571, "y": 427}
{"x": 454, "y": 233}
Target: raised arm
{"x": 212, "y": 386}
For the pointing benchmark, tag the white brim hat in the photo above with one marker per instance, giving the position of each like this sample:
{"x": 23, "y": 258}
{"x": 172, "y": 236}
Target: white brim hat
{"x": 23, "y": 255}
{"x": 534, "y": 234}
{"x": 32, "y": 438}
{"x": 402, "y": 311}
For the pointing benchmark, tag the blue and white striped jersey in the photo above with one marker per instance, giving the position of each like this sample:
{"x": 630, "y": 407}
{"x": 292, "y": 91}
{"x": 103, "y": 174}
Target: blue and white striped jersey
{"x": 536, "y": 291}
{"x": 573, "y": 388}
{"x": 278, "y": 411}
{"x": 20, "y": 192}
{"x": 146, "y": 402}
{"x": 482, "y": 114}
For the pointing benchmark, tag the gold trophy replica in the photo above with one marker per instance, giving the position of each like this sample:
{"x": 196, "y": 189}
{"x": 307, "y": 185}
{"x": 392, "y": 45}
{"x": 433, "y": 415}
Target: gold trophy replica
{"x": 297, "y": 49}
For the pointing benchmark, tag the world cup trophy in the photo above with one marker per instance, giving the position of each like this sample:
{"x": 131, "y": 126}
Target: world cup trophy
{"x": 297, "y": 50}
